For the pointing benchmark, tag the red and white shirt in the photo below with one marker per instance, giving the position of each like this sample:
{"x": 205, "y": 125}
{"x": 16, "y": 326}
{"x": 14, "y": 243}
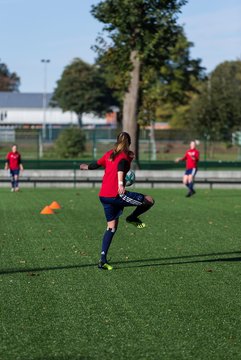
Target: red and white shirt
{"x": 109, "y": 186}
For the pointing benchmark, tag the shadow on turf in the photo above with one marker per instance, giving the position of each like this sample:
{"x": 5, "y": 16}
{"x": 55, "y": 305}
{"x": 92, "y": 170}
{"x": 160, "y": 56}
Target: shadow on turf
{"x": 136, "y": 263}
{"x": 64, "y": 357}
{"x": 171, "y": 260}
{"x": 233, "y": 259}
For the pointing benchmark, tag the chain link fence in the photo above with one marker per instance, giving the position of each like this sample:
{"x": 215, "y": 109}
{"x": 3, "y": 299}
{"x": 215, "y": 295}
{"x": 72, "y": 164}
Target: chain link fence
{"x": 165, "y": 145}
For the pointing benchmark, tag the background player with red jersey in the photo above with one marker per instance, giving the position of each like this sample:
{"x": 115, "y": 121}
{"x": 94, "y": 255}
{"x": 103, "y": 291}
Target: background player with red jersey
{"x": 191, "y": 157}
{"x": 113, "y": 194}
{"x": 14, "y": 164}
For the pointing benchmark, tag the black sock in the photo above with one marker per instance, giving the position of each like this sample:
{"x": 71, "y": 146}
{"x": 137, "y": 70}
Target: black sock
{"x": 140, "y": 210}
{"x": 191, "y": 186}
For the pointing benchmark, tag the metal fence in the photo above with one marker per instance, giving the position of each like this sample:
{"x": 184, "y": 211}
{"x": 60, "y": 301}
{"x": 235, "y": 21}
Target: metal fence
{"x": 165, "y": 146}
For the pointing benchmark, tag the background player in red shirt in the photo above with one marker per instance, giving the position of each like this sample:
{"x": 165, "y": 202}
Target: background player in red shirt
{"x": 14, "y": 164}
{"x": 113, "y": 194}
{"x": 191, "y": 157}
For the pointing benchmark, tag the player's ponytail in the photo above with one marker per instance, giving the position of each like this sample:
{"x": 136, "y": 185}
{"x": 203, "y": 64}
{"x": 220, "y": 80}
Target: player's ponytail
{"x": 122, "y": 145}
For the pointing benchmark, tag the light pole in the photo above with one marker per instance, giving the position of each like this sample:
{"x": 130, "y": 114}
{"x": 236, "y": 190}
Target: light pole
{"x": 45, "y": 62}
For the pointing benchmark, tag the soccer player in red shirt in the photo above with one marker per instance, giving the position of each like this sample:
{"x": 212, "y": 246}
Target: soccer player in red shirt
{"x": 14, "y": 164}
{"x": 191, "y": 157}
{"x": 113, "y": 194}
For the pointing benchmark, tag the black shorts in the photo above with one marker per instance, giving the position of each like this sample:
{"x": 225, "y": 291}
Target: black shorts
{"x": 14, "y": 172}
{"x": 113, "y": 206}
{"x": 192, "y": 172}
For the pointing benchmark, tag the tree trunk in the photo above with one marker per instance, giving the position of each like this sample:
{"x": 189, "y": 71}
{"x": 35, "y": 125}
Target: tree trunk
{"x": 152, "y": 140}
{"x": 80, "y": 120}
{"x": 130, "y": 103}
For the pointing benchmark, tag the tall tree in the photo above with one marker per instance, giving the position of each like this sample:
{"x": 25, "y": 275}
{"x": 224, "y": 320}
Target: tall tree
{"x": 141, "y": 32}
{"x": 8, "y": 81}
{"x": 167, "y": 91}
{"x": 216, "y": 112}
{"x": 82, "y": 89}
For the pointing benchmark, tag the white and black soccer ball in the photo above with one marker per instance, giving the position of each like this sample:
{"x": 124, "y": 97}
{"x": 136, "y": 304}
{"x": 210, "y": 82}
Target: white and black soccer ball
{"x": 130, "y": 178}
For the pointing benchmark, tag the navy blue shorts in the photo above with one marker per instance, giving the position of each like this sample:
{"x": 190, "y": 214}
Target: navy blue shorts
{"x": 14, "y": 172}
{"x": 113, "y": 207}
{"x": 191, "y": 172}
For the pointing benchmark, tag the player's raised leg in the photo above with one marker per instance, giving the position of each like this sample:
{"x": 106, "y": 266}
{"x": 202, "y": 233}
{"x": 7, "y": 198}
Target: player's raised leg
{"x": 133, "y": 218}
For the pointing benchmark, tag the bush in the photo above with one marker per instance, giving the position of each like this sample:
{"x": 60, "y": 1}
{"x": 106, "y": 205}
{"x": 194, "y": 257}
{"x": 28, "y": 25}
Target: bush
{"x": 70, "y": 143}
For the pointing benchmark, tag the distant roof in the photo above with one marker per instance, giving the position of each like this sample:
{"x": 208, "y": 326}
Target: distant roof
{"x": 22, "y": 100}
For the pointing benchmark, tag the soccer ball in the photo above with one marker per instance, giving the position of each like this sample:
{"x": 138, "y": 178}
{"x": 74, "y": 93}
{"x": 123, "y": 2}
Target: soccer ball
{"x": 130, "y": 178}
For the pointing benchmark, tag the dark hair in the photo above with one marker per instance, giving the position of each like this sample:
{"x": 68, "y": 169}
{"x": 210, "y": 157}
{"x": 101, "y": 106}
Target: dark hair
{"x": 122, "y": 144}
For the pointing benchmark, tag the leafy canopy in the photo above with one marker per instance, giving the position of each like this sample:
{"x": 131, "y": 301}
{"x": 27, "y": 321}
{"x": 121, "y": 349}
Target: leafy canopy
{"x": 82, "y": 89}
{"x": 172, "y": 85}
{"x": 146, "y": 26}
{"x": 168, "y": 74}
{"x": 70, "y": 143}
{"x": 141, "y": 25}
{"x": 8, "y": 81}
{"x": 217, "y": 111}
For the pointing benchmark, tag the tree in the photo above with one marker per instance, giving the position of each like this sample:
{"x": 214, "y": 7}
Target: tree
{"x": 70, "y": 143}
{"x": 167, "y": 91}
{"x": 142, "y": 33}
{"x": 8, "y": 81}
{"x": 82, "y": 89}
{"x": 216, "y": 112}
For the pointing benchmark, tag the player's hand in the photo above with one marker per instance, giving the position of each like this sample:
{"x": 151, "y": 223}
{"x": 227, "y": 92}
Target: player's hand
{"x": 121, "y": 190}
{"x": 177, "y": 160}
{"x": 83, "y": 167}
{"x": 131, "y": 154}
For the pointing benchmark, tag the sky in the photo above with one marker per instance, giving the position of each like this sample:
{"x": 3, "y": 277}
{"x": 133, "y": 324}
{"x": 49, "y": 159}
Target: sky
{"x": 61, "y": 30}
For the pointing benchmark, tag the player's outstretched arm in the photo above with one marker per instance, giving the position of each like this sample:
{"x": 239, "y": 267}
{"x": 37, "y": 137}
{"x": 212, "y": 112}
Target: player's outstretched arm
{"x": 83, "y": 167}
{"x": 92, "y": 166}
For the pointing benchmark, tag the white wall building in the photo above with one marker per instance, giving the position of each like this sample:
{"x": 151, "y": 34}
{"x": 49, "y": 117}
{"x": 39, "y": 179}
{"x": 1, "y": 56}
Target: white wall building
{"x": 27, "y": 109}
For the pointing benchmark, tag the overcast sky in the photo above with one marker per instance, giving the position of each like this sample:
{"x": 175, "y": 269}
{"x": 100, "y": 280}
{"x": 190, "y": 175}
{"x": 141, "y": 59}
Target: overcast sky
{"x": 60, "y": 30}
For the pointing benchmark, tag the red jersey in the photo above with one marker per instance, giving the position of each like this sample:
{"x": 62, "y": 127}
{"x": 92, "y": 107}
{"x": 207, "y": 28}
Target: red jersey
{"x": 14, "y": 160}
{"x": 191, "y": 157}
{"x": 109, "y": 186}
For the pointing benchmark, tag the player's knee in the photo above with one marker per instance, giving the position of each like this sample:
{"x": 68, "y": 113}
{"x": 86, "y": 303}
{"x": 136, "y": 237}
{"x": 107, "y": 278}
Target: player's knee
{"x": 149, "y": 201}
{"x": 113, "y": 230}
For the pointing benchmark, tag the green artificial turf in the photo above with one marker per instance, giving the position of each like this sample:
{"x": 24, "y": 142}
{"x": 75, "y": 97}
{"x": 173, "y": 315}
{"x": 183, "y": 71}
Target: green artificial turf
{"x": 174, "y": 292}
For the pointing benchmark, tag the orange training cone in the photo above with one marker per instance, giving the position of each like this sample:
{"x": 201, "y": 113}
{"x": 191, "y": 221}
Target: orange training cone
{"x": 54, "y": 205}
{"x": 46, "y": 210}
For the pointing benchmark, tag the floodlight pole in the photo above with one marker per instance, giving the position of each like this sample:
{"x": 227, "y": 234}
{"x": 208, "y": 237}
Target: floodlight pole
{"x": 45, "y": 62}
